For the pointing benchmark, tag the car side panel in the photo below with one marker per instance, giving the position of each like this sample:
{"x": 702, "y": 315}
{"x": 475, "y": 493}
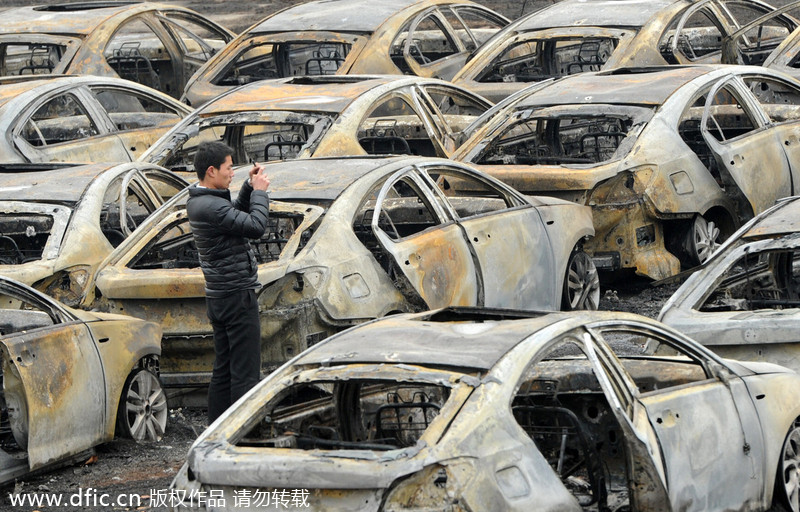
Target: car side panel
{"x": 63, "y": 390}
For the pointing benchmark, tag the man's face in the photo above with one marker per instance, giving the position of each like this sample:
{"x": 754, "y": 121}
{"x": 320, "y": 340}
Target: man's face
{"x": 220, "y": 178}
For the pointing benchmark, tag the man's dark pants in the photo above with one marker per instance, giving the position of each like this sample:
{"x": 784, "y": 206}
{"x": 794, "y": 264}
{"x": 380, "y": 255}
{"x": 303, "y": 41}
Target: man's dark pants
{"x": 237, "y": 345}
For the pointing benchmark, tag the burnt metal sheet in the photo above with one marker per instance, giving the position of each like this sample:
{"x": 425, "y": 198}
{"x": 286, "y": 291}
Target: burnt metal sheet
{"x": 55, "y": 186}
{"x": 337, "y": 15}
{"x": 600, "y": 13}
{"x": 320, "y": 95}
{"x": 783, "y": 220}
{"x": 617, "y": 87}
{"x": 459, "y": 345}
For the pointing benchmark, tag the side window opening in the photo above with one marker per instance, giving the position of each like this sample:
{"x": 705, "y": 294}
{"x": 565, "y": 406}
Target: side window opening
{"x": 479, "y": 25}
{"x": 429, "y": 43}
{"x": 18, "y": 315}
{"x": 136, "y": 53}
{"x": 130, "y": 111}
{"x": 697, "y": 39}
{"x": 61, "y": 119}
{"x": 254, "y": 64}
{"x": 457, "y": 110}
{"x": 768, "y": 280}
{"x": 728, "y": 117}
{"x": 469, "y": 196}
{"x": 779, "y": 100}
{"x": 394, "y": 127}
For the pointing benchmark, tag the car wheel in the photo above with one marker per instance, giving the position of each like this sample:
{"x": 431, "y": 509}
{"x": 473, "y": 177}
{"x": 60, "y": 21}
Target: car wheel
{"x": 701, "y": 239}
{"x": 142, "y": 413}
{"x": 581, "y": 283}
{"x": 787, "y": 479}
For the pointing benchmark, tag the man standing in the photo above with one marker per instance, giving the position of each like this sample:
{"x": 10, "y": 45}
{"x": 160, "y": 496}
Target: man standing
{"x": 221, "y": 229}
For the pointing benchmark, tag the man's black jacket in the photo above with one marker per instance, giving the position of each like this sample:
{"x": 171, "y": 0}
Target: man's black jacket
{"x": 221, "y": 230}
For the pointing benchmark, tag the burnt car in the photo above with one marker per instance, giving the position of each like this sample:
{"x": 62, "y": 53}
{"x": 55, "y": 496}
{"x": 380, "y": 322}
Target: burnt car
{"x": 575, "y": 36}
{"x": 352, "y": 239}
{"x": 481, "y": 410}
{"x": 760, "y": 43}
{"x": 429, "y": 38}
{"x": 71, "y": 379}
{"x": 57, "y": 223}
{"x": 671, "y": 160}
{"x": 81, "y": 119}
{"x": 157, "y": 45}
{"x": 304, "y": 117}
{"x": 745, "y": 301}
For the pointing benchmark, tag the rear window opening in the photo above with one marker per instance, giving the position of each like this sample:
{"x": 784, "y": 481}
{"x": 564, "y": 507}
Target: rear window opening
{"x": 535, "y": 60}
{"x": 559, "y": 140}
{"x": 280, "y": 60}
{"x": 20, "y": 58}
{"x": 354, "y": 414}
{"x": 23, "y": 237}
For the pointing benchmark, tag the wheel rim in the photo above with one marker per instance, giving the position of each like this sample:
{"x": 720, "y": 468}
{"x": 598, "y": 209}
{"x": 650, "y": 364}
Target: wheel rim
{"x": 145, "y": 407}
{"x": 705, "y": 236}
{"x": 583, "y": 283}
{"x": 791, "y": 469}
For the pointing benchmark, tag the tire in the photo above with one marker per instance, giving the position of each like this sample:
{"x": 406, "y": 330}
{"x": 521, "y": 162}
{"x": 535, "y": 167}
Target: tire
{"x": 699, "y": 240}
{"x": 142, "y": 411}
{"x": 581, "y": 289}
{"x": 787, "y": 477}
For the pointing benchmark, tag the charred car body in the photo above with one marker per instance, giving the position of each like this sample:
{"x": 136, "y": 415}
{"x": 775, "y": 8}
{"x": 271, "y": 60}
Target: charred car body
{"x": 429, "y": 38}
{"x": 485, "y": 410}
{"x": 58, "y": 223}
{"x": 744, "y": 302}
{"x": 671, "y": 160}
{"x": 355, "y": 239}
{"x": 324, "y": 116}
{"x": 81, "y": 119}
{"x": 575, "y": 36}
{"x": 71, "y": 379}
{"x": 154, "y": 44}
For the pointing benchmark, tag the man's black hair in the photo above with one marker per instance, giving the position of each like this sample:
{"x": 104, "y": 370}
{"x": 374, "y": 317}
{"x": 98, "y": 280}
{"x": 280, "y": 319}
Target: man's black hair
{"x": 210, "y": 154}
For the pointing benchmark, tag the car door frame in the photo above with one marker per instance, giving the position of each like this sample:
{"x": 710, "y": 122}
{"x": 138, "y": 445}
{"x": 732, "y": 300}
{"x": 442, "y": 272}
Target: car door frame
{"x": 722, "y": 25}
{"x": 59, "y": 394}
{"x": 439, "y": 68}
{"x": 741, "y": 403}
{"x": 495, "y": 273}
{"x": 730, "y": 154}
{"x": 438, "y": 284}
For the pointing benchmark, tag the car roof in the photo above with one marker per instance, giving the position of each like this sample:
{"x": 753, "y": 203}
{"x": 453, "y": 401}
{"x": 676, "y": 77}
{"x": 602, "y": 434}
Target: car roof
{"x": 453, "y": 337}
{"x": 632, "y": 86}
{"x": 334, "y": 15}
{"x": 784, "y": 219}
{"x": 600, "y": 13}
{"x": 323, "y": 178}
{"x": 79, "y": 18}
{"x": 316, "y": 94}
{"x": 50, "y": 183}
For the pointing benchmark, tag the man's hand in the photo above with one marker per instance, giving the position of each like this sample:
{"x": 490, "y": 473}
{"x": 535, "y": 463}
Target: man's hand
{"x": 258, "y": 178}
